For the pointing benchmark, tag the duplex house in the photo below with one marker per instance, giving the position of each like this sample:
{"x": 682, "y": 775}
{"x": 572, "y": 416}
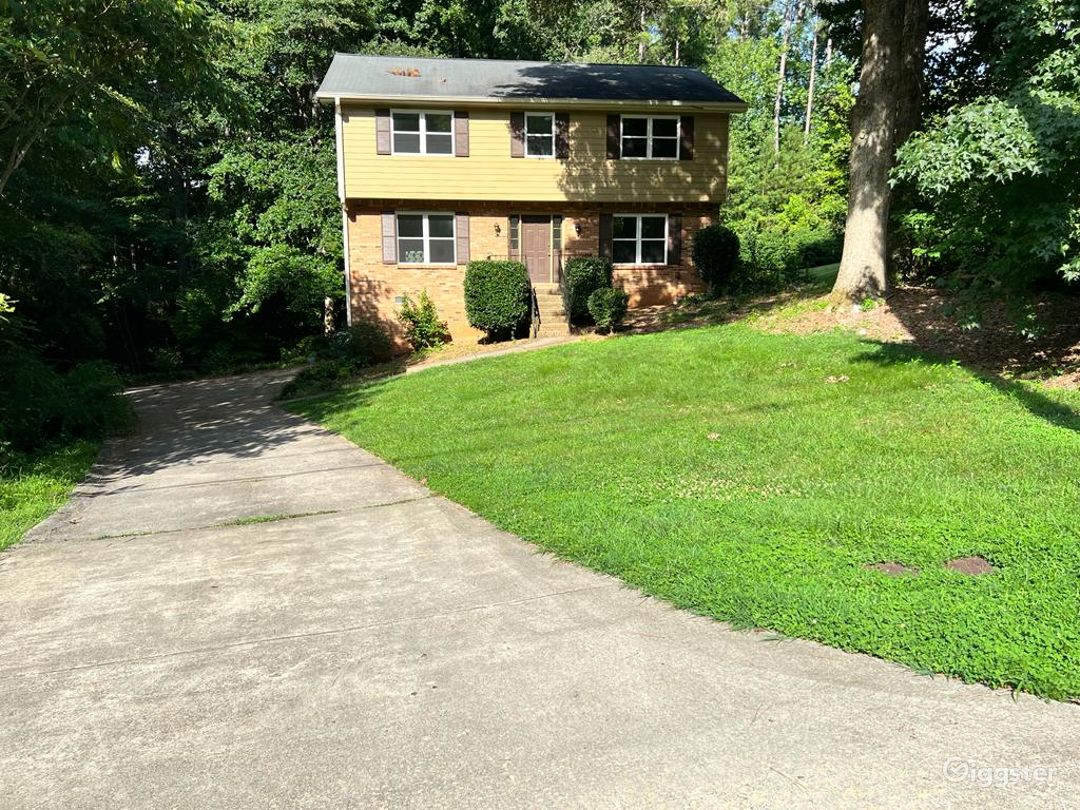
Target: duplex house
{"x": 440, "y": 161}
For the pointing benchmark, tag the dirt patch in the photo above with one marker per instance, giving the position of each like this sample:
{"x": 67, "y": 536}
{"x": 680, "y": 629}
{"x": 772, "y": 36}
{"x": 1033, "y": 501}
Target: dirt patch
{"x": 892, "y": 569}
{"x": 925, "y": 318}
{"x": 972, "y": 566}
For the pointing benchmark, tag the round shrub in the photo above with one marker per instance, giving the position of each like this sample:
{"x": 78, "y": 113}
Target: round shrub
{"x": 365, "y": 343}
{"x": 583, "y": 275}
{"x": 608, "y": 307}
{"x": 716, "y": 254}
{"x": 497, "y": 296}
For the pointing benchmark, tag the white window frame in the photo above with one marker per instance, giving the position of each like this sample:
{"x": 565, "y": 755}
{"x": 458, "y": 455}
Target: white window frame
{"x": 426, "y": 236}
{"x": 422, "y": 133}
{"x": 637, "y": 239}
{"x": 526, "y": 135}
{"x": 649, "y": 137}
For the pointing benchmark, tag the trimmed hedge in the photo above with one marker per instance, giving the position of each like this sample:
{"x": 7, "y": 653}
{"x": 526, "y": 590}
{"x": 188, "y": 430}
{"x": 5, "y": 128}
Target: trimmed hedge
{"x": 608, "y": 307}
{"x": 582, "y": 276}
{"x": 497, "y": 296}
{"x": 716, "y": 255}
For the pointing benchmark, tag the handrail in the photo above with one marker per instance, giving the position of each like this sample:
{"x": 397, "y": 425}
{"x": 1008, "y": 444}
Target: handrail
{"x": 534, "y": 308}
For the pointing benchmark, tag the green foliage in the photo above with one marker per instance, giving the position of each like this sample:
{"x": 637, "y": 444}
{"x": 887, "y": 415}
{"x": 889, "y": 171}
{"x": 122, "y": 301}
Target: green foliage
{"x": 998, "y": 176}
{"x": 716, "y": 254}
{"x": 607, "y": 306}
{"x": 39, "y": 404}
{"x": 497, "y": 296}
{"x": 718, "y": 469}
{"x": 423, "y": 327}
{"x": 583, "y": 275}
{"x": 339, "y": 357}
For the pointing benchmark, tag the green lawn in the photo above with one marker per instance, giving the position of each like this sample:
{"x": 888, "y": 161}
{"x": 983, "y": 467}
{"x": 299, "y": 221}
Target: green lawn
{"x": 720, "y": 469}
{"x": 32, "y": 488}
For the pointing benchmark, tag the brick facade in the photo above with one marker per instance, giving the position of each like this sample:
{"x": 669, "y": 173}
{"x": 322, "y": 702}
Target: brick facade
{"x": 376, "y": 287}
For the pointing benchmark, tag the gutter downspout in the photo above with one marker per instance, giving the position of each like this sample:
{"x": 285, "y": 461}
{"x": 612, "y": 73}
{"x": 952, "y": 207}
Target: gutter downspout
{"x": 339, "y": 141}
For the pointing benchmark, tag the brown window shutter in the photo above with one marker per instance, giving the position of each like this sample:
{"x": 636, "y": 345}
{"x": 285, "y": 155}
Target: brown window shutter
{"x": 517, "y": 134}
{"x": 614, "y": 135}
{"x": 605, "y": 235}
{"x": 674, "y": 239}
{"x": 686, "y": 128}
{"x": 389, "y": 237}
{"x": 461, "y": 231}
{"x": 461, "y": 133}
{"x": 382, "y": 132}
{"x": 562, "y": 136}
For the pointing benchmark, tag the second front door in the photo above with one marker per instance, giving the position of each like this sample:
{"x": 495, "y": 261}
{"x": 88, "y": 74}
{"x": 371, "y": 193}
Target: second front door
{"x": 536, "y": 247}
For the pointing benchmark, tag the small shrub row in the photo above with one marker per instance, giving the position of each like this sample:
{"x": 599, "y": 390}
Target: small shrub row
{"x": 582, "y": 276}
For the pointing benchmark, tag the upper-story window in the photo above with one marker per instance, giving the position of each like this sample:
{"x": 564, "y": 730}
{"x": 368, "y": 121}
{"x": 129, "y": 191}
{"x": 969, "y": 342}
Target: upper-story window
{"x": 426, "y": 239}
{"x": 539, "y": 135}
{"x": 639, "y": 239}
{"x": 423, "y": 133}
{"x": 650, "y": 136}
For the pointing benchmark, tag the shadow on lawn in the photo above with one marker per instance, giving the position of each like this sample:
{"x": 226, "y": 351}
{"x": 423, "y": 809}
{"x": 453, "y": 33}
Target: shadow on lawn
{"x": 1050, "y": 410}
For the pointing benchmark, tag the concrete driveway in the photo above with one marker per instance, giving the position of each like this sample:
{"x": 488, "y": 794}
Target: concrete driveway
{"x": 374, "y": 645}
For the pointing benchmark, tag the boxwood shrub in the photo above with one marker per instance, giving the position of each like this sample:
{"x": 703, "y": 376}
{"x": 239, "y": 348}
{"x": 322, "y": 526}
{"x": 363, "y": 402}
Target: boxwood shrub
{"x": 716, "y": 255}
{"x": 582, "y": 276}
{"x": 608, "y": 307}
{"x": 497, "y": 296}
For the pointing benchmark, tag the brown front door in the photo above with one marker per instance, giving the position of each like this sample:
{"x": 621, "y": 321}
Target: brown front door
{"x": 536, "y": 247}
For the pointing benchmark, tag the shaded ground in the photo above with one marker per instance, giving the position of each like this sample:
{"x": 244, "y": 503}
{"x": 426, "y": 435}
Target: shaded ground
{"x": 370, "y": 644}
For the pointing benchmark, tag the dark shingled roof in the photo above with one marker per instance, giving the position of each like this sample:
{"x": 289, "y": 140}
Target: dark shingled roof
{"x": 498, "y": 80}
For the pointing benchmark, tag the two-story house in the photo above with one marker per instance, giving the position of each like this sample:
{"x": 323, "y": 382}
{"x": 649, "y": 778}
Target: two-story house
{"x": 441, "y": 161}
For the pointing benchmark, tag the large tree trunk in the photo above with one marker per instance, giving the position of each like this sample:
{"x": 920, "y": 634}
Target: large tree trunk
{"x": 893, "y": 45}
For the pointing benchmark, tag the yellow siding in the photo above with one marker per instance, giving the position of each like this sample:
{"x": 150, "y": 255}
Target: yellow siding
{"x": 489, "y": 173}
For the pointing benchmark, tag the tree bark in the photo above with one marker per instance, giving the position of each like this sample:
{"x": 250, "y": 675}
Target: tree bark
{"x": 893, "y": 44}
{"x": 810, "y": 85}
{"x": 784, "y": 46}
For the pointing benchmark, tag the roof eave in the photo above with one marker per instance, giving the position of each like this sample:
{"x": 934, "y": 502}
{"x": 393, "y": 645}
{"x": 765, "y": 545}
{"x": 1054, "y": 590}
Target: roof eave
{"x": 503, "y": 101}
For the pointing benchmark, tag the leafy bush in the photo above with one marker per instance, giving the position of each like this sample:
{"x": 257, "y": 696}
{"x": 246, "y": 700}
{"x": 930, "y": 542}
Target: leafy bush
{"x": 608, "y": 307}
{"x": 39, "y": 404}
{"x": 497, "y": 296}
{"x": 340, "y": 357}
{"x": 582, "y": 276}
{"x": 423, "y": 329}
{"x": 716, "y": 254}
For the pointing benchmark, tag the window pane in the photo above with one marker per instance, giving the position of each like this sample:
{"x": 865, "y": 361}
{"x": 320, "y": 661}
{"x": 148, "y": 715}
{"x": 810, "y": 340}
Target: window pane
{"x": 407, "y": 121}
{"x": 411, "y": 251}
{"x": 538, "y": 124}
{"x": 652, "y": 227}
{"x": 410, "y": 225}
{"x": 652, "y": 251}
{"x": 624, "y": 227}
{"x": 665, "y": 127}
{"x": 438, "y": 122}
{"x": 439, "y": 144}
{"x": 623, "y": 251}
{"x": 440, "y": 225}
{"x": 635, "y": 147}
{"x": 539, "y": 145}
{"x": 665, "y": 148}
{"x": 406, "y": 143}
{"x": 635, "y": 126}
{"x": 442, "y": 250}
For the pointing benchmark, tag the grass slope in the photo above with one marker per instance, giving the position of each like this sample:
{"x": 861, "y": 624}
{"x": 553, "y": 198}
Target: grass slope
{"x": 33, "y": 488}
{"x": 721, "y": 470}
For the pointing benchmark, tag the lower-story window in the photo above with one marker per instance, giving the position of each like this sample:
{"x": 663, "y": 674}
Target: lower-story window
{"x": 639, "y": 239}
{"x": 426, "y": 239}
